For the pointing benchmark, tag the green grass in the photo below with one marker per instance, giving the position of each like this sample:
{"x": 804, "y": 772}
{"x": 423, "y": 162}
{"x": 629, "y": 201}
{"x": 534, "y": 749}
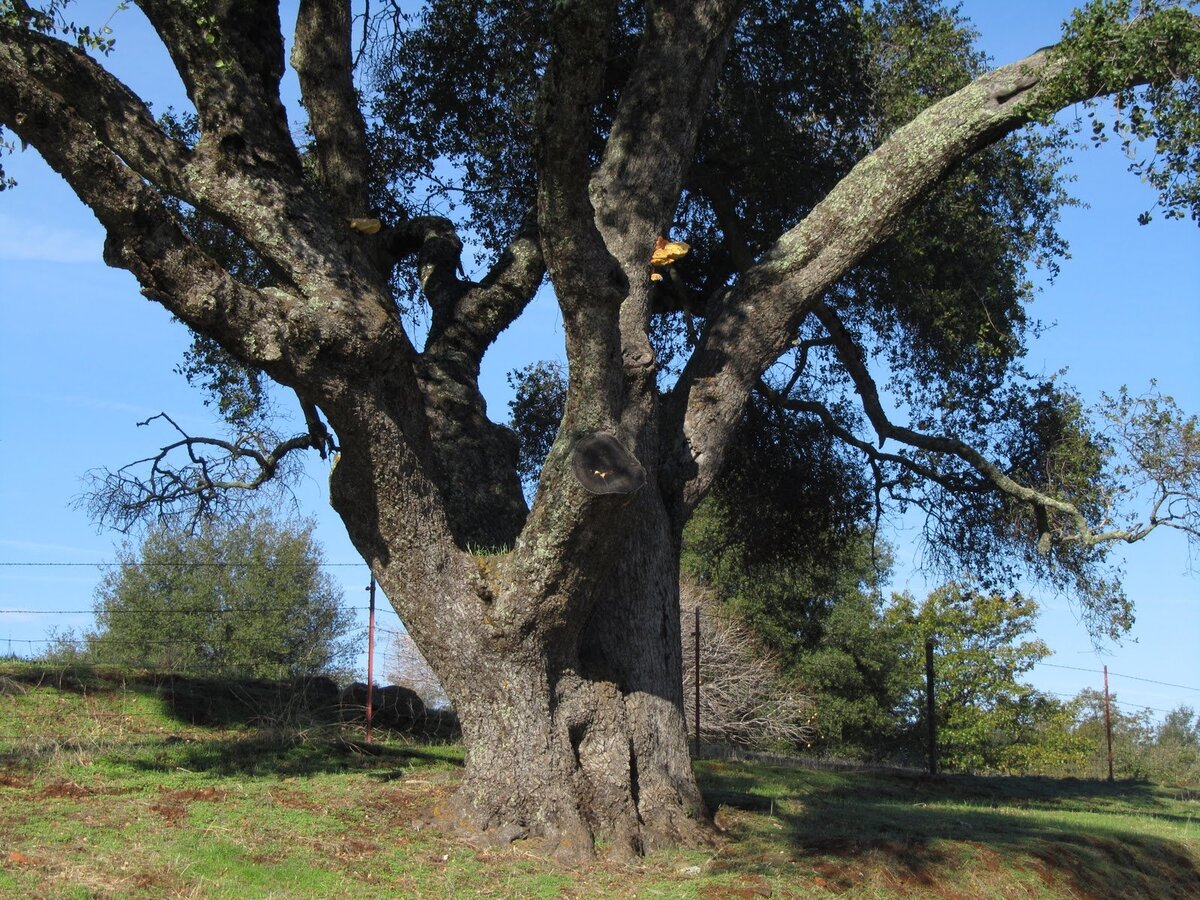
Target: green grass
{"x": 106, "y": 791}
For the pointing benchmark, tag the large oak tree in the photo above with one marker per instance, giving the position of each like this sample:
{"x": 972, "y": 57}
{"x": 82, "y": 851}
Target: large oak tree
{"x": 802, "y": 149}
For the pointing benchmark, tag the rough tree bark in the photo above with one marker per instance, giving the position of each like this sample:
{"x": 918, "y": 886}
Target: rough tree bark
{"x": 559, "y": 645}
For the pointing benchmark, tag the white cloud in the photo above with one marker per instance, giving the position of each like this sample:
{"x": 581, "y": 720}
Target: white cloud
{"x": 30, "y": 241}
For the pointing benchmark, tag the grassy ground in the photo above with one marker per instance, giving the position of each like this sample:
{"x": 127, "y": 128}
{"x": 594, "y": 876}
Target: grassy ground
{"x": 106, "y": 792}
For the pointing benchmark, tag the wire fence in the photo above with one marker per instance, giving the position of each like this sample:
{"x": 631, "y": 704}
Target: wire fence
{"x": 400, "y": 694}
{"x": 226, "y": 678}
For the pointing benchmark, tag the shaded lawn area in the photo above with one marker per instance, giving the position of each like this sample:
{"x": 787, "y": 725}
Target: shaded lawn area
{"x": 106, "y": 792}
{"x": 962, "y": 835}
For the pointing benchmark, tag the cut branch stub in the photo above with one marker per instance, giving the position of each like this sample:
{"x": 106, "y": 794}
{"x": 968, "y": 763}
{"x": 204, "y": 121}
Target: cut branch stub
{"x": 604, "y": 466}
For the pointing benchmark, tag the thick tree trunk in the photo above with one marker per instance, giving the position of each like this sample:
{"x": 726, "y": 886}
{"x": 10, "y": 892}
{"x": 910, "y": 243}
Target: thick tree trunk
{"x": 567, "y": 676}
{"x": 577, "y": 736}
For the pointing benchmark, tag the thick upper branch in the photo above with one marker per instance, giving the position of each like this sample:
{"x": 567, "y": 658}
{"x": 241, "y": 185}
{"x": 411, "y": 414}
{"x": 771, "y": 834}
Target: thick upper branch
{"x": 571, "y": 87}
{"x": 753, "y": 324}
{"x": 118, "y": 117}
{"x": 653, "y": 135}
{"x": 229, "y": 54}
{"x": 322, "y": 59}
{"x": 142, "y": 234}
{"x": 100, "y": 138}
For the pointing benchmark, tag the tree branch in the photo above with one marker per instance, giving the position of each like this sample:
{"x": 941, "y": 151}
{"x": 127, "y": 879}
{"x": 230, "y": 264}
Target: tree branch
{"x": 822, "y": 412}
{"x": 321, "y": 56}
{"x": 124, "y": 499}
{"x": 475, "y": 459}
{"x": 119, "y": 118}
{"x": 438, "y": 248}
{"x": 1042, "y": 504}
{"x": 67, "y": 118}
{"x": 572, "y": 85}
{"x": 230, "y": 57}
{"x": 653, "y": 136}
{"x": 487, "y": 308}
{"x": 143, "y": 236}
{"x": 318, "y": 434}
{"x": 231, "y": 61}
{"x": 753, "y": 323}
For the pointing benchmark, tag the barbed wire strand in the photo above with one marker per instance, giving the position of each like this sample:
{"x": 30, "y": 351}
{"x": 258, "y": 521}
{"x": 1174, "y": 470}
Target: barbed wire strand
{"x": 194, "y": 565}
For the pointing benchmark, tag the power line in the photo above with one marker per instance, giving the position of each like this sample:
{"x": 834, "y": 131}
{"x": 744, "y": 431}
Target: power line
{"x": 134, "y": 642}
{"x": 188, "y": 610}
{"x": 1184, "y": 687}
{"x": 181, "y": 565}
{"x": 1152, "y": 681}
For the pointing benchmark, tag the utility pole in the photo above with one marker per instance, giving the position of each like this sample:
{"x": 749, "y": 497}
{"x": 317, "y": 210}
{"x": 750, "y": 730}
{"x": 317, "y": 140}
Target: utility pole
{"x": 1108, "y": 724}
{"x": 930, "y": 707}
{"x": 370, "y": 654}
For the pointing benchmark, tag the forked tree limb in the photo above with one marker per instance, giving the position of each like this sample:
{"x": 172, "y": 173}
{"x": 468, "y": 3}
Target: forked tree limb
{"x": 752, "y": 323}
{"x": 1045, "y": 507}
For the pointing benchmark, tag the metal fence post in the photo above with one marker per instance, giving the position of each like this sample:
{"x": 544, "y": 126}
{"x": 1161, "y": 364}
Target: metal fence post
{"x": 1108, "y": 725}
{"x": 930, "y": 707}
{"x": 370, "y": 655}
{"x": 697, "y": 708}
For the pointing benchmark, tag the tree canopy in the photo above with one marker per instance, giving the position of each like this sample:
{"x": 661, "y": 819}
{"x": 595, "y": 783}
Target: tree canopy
{"x": 859, "y": 204}
{"x": 239, "y": 600}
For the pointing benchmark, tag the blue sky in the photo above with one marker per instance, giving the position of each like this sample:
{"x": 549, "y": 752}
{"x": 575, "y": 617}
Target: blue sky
{"x": 83, "y": 357}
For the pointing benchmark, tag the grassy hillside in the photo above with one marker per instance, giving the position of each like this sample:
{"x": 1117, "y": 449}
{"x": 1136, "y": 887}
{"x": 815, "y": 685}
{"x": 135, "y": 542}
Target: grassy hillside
{"x": 106, "y": 790}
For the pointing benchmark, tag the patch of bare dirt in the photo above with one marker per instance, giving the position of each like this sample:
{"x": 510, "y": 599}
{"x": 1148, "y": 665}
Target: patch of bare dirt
{"x": 292, "y": 799}
{"x": 18, "y": 860}
{"x": 404, "y": 805}
{"x": 837, "y": 879}
{"x": 70, "y": 790}
{"x": 192, "y": 795}
{"x": 744, "y": 890}
{"x": 65, "y": 790}
{"x": 172, "y": 813}
{"x": 160, "y": 884}
{"x": 354, "y": 849}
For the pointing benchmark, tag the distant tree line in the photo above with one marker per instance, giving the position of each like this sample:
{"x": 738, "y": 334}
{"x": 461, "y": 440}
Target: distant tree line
{"x": 858, "y": 656}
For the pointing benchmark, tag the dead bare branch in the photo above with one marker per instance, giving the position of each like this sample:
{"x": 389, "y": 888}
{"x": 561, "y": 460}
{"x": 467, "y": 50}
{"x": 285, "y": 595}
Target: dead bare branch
{"x": 744, "y": 696}
{"x": 214, "y": 475}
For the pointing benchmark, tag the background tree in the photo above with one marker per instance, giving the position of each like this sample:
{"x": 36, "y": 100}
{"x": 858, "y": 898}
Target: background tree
{"x": 889, "y": 257}
{"x": 988, "y": 718}
{"x": 1176, "y": 755}
{"x": 1167, "y": 751}
{"x": 746, "y": 697}
{"x": 245, "y": 599}
{"x": 855, "y": 673}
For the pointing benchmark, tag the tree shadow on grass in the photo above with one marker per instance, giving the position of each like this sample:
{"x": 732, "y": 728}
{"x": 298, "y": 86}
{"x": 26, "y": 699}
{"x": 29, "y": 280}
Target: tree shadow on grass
{"x": 915, "y": 833}
{"x": 283, "y": 756}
